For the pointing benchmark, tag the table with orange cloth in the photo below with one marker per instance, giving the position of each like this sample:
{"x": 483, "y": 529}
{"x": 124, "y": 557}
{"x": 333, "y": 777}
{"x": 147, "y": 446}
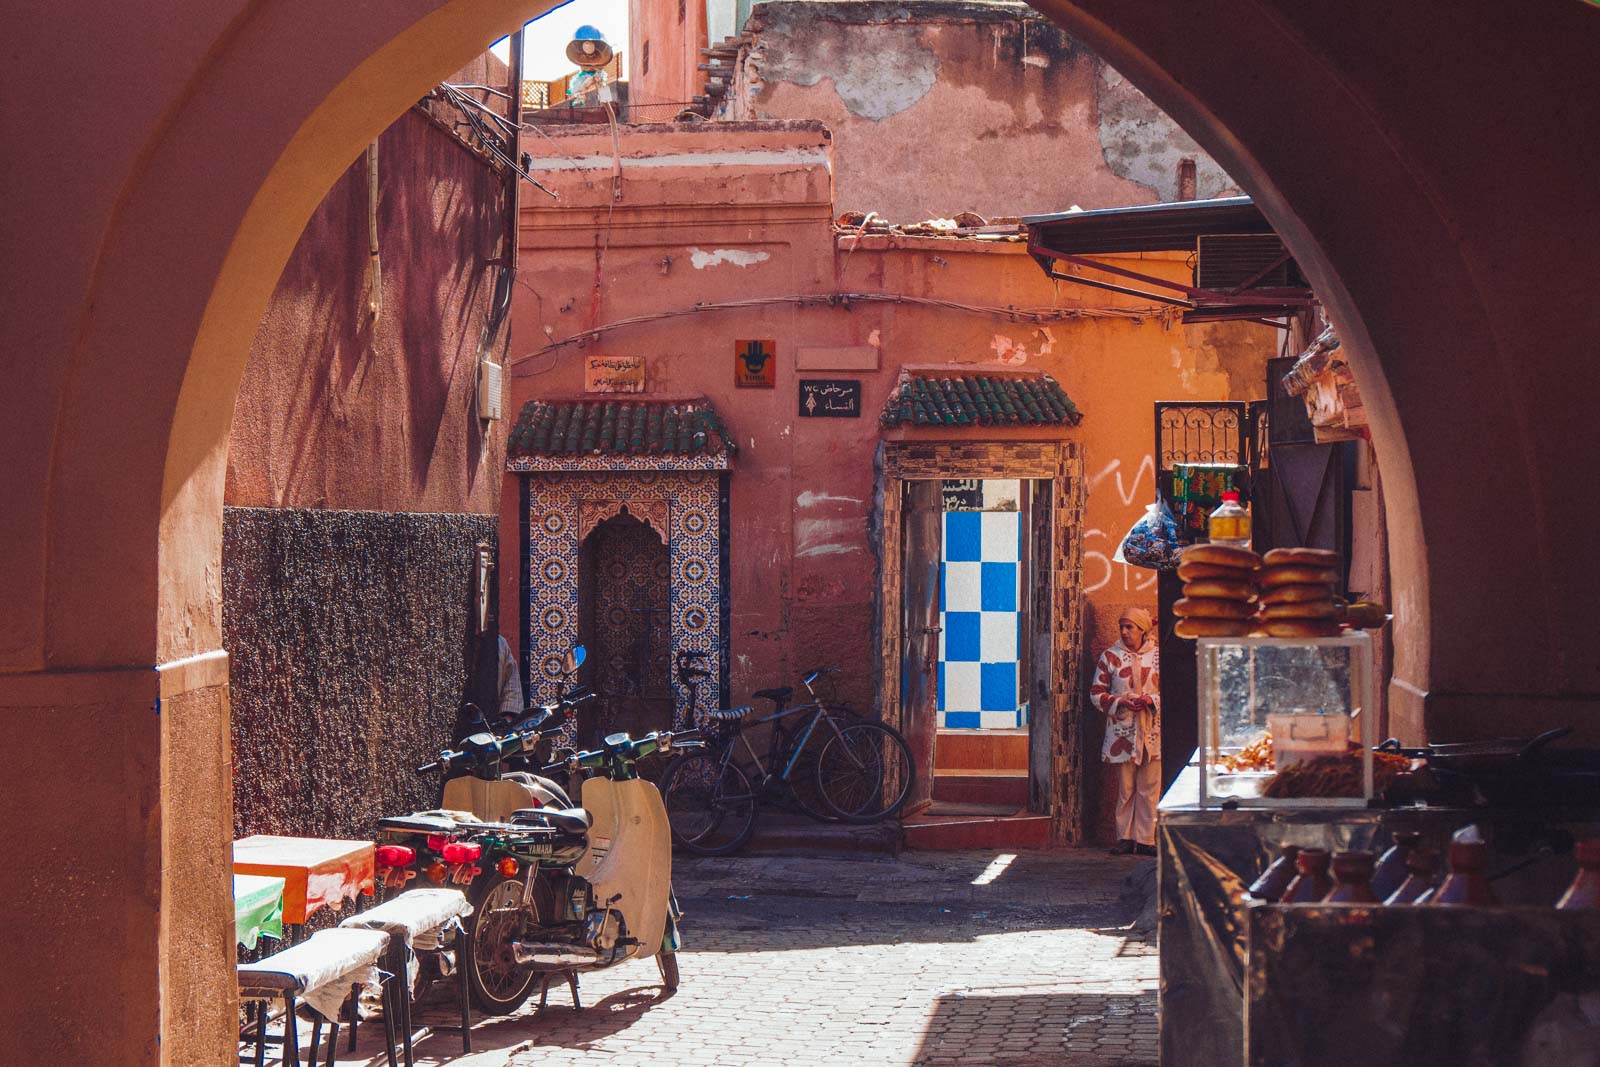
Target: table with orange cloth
{"x": 317, "y": 872}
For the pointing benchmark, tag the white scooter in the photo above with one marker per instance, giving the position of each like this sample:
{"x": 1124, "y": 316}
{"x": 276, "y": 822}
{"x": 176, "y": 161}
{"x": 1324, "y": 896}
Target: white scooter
{"x": 557, "y": 890}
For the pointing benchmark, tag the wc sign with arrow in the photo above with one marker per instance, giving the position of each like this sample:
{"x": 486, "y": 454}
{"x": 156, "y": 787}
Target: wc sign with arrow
{"x": 755, "y": 364}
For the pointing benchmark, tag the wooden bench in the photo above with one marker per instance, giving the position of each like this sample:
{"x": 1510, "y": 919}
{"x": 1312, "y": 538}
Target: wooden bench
{"x": 419, "y": 921}
{"x": 324, "y": 972}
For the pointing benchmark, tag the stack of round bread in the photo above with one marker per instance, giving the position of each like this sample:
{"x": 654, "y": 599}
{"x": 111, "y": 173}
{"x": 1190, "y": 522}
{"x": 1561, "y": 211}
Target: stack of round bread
{"x": 1219, "y": 591}
{"x": 1297, "y": 592}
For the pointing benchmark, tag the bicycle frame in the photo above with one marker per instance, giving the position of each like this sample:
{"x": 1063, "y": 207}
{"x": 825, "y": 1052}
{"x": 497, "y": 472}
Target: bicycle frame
{"x": 819, "y": 713}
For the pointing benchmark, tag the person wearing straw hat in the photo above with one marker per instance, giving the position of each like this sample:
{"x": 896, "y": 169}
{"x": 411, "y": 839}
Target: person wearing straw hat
{"x": 1127, "y": 690}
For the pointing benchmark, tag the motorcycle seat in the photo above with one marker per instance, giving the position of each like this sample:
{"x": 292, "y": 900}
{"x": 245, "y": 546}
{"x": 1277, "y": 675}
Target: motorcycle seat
{"x": 567, "y": 820}
{"x": 421, "y": 823}
{"x": 778, "y": 695}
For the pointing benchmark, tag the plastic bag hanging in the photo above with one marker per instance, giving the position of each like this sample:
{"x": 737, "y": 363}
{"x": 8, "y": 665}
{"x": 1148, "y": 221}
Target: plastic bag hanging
{"x": 1152, "y": 542}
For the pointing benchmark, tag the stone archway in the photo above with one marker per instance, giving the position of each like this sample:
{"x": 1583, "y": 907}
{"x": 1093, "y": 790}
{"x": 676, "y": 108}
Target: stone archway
{"x": 153, "y": 246}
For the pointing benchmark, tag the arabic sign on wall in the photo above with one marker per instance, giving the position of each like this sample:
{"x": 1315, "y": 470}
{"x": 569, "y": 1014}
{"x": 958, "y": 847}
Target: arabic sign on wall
{"x": 755, "y": 364}
{"x": 830, "y": 398}
{"x": 613, "y": 374}
{"x": 963, "y": 494}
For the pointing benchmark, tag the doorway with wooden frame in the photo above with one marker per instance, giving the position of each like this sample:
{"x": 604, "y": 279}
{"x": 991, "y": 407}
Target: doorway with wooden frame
{"x": 981, "y": 782}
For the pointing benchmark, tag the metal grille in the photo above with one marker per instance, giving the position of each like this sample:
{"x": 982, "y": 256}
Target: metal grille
{"x": 1229, "y": 260}
{"x": 535, "y": 94}
{"x": 1200, "y": 433}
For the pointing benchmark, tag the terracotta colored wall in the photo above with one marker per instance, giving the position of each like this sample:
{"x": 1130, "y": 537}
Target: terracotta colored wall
{"x": 674, "y": 31}
{"x": 140, "y": 269}
{"x": 803, "y": 577}
{"x": 341, "y": 410}
{"x": 992, "y": 108}
{"x": 345, "y": 592}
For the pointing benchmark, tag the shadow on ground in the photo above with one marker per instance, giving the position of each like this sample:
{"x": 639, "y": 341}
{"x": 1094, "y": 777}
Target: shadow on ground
{"x": 1091, "y": 1030}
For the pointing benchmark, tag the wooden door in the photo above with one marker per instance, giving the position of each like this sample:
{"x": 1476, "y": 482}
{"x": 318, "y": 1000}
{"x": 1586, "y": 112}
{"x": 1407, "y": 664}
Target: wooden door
{"x": 1040, "y": 609}
{"x": 923, "y": 516}
{"x": 625, "y": 591}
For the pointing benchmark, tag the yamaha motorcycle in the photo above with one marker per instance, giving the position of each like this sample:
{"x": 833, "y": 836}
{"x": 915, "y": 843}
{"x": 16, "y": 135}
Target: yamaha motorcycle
{"x": 557, "y": 889}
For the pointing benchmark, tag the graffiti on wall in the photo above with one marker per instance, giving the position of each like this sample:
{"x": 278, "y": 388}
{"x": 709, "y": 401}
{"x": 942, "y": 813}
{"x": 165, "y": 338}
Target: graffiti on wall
{"x": 1100, "y": 571}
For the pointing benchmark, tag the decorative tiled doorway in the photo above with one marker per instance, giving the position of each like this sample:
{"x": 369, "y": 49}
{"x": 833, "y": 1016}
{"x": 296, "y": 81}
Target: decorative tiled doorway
{"x": 948, "y": 430}
{"x": 623, "y": 501}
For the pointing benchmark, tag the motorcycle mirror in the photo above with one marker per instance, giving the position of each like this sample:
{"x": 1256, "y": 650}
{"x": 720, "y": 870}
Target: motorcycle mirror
{"x": 574, "y": 660}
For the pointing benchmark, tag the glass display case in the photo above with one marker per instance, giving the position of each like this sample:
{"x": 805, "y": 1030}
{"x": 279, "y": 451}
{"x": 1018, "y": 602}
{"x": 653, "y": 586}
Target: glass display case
{"x": 1286, "y": 722}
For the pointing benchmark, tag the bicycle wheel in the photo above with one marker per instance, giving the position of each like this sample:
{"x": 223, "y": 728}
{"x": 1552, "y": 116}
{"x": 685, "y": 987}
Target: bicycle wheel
{"x": 802, "y": 780}
{"x": 709, "y": 803}
{"x": 864, "y": 771}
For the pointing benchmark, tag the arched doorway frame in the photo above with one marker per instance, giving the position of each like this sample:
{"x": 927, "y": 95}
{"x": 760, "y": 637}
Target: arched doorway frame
{"x": 229, "y": 227}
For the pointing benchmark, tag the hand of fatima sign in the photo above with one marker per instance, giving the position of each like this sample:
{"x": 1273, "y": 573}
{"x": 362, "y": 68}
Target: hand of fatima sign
{"x": 755, "y": 357}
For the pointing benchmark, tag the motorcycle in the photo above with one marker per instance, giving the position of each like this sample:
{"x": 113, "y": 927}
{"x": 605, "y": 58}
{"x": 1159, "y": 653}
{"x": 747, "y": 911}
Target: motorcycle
{"x": 556, "y": 889}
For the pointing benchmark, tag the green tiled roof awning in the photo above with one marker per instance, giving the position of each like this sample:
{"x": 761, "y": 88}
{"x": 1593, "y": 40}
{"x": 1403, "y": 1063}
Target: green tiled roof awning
{"x": 979, "y": 399}
{"x": 572, "y": 428}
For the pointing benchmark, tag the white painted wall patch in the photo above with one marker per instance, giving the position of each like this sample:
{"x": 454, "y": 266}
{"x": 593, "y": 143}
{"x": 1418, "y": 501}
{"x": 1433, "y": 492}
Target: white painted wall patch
{"x": 739, "y": 257}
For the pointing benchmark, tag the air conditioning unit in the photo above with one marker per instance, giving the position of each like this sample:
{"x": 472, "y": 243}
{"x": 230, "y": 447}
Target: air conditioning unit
{"x": 491, "y": 377}
{"x": 1229, "y": 260}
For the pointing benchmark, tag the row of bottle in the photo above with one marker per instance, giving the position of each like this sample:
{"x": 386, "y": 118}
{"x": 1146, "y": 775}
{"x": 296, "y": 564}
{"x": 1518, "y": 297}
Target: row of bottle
{"x": 1406, "y": 874}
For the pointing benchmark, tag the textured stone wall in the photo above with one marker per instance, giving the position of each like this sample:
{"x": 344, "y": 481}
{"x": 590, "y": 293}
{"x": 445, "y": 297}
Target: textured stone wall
{"x": 351, "y": 638}
{"x": 991, "y": 107}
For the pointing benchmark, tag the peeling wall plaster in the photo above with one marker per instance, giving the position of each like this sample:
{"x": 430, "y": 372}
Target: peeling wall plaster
{"x": 1016, "y": 353}
{"x": 1142, "y": 144}
{"x": 872, "y": 84}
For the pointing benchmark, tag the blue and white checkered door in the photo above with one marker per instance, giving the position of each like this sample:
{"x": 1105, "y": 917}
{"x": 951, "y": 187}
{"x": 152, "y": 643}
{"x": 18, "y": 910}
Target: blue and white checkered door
{"x": 980, "y": 645}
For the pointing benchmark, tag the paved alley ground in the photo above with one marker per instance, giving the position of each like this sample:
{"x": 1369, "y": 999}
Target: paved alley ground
{"x": 931, "y": 958}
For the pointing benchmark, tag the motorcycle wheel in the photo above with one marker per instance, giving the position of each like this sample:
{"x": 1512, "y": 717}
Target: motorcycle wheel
{"x": 497, "y": 984}
{"x": 668, "y": 962}
{"x": 710, "y": 804}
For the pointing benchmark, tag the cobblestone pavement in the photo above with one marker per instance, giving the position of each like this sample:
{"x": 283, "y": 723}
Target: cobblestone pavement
{"x": 931, "y": 958}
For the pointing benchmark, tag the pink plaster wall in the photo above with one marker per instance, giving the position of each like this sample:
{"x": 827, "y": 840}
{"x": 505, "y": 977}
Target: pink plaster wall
{"x": 803, "y": 578}
{"x": 991, "y": 109}
{"x": 339, "y": 409}
{"x": 671, "y": 32}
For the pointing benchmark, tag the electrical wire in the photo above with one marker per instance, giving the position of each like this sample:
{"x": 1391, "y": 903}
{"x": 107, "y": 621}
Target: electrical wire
{"x": 469, "y": 109}
{"x": 1031, "y": 316}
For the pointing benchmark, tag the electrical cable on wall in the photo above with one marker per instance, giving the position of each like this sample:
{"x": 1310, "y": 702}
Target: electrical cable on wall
{"x": 374, "y": 261}
{"x": 1033, "y": 316}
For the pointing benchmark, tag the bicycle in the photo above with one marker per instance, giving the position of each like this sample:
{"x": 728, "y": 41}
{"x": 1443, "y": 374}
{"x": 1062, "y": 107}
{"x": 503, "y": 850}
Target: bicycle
{"x": 862, "y": 770}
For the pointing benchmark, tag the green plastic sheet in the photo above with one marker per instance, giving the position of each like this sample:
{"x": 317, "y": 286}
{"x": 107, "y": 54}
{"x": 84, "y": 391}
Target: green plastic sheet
{"x": 257, "y": 908}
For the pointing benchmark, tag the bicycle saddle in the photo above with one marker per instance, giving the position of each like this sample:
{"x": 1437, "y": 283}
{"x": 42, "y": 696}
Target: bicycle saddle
{"x": 568, "y": 820}
{"x": 779, "y": 695}
{"x": 729, "y": 714}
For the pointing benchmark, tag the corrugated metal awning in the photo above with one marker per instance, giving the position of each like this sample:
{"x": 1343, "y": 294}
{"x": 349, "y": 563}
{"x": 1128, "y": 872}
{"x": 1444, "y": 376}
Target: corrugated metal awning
{"x": 1170, "y": 227}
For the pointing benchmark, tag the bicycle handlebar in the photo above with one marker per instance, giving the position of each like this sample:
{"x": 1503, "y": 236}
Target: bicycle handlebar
{"x": 514, "y": 742}
{"x": 626, "y": 750}
{"x": 817, "y": 672}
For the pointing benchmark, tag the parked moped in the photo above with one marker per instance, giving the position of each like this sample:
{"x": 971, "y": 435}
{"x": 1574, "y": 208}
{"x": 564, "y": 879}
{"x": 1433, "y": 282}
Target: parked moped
{"x": 557, "y": 890}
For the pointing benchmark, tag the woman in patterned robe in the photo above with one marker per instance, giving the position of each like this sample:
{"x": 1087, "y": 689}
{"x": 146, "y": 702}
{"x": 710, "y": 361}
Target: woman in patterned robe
{"x": 1127, "y": 691}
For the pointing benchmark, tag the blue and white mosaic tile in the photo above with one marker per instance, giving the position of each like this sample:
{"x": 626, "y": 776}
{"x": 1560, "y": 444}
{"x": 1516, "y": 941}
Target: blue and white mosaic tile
{"x": 685, "y": 501}
{"x": 980, "y": 645}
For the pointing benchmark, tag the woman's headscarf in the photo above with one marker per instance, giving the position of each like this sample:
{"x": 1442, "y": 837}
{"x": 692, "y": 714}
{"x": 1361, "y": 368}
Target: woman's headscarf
{"x": 1139, "y": 617}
